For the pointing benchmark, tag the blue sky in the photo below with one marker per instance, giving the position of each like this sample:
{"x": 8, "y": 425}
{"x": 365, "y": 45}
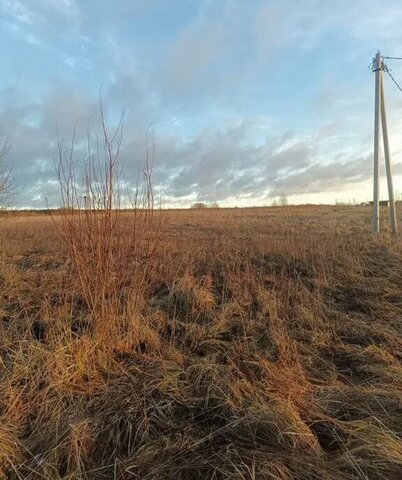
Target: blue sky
{"x": 250, "y": 99}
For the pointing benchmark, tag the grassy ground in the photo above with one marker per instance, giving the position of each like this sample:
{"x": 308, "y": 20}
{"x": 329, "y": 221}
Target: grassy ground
{"x": 262, "y": 344}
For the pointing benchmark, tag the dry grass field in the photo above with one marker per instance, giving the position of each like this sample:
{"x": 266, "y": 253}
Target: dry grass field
{"x": 257, "y": 343}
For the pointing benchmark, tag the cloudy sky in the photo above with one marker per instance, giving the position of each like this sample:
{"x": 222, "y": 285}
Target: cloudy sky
{"x": 249, "y": 99}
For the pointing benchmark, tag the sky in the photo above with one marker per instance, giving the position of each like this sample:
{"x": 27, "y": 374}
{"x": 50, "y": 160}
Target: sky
{"x": 248, "y": 100}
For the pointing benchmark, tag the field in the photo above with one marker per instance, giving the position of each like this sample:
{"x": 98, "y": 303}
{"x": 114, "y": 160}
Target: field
{"x": 259, "y": 343}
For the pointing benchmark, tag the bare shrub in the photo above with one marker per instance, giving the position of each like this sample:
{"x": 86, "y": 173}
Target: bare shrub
{"x": 111, "y": 233}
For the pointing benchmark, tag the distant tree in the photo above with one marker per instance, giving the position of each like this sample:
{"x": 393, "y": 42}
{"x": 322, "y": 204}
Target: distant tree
{"x": 214, "y": 205}
{"x": 274, "y": 202}
{"x": 6, "y": 187}
{"x": 283, "y": 200}
{"x": 199, "y": 205}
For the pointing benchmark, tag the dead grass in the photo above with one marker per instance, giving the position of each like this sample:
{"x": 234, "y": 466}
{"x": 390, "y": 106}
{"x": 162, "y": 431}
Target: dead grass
{"x": 267, "y": 344}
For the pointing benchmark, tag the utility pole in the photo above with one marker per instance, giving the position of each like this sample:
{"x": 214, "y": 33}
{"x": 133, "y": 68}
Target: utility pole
{"x": 377, "y": 106}
{"x": 392, "y": 212}
{"x": 381, "y": 117}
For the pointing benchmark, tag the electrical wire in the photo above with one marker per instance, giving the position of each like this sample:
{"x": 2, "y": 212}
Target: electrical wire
{"x": 386, "y": 69}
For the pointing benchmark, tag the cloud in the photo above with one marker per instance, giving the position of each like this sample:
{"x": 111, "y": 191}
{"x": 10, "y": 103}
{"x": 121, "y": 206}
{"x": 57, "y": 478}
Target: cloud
{"x": 226, "y": 167}
{"x": 229, "y": 162}
{"x": 249, "y": 100}
{"x": 198, "y": 48}
{"x": 41, "y": 15}
{"x": 193, "y": 52}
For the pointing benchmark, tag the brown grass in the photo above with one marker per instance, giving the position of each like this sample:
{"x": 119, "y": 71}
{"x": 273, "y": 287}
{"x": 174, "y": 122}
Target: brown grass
{"x": 267, "y": 344}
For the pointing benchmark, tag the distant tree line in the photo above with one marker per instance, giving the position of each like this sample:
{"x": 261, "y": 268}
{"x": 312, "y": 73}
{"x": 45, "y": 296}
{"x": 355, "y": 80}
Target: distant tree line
{"x": 200, "y": 205}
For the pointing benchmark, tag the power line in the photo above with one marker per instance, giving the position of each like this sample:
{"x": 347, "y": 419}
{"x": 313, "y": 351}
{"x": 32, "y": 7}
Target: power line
{"x": 393, "y": 58}
{"x": 386, "y": 69}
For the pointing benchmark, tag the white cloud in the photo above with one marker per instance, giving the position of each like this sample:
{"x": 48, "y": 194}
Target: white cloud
{"x": 226, "y": 97}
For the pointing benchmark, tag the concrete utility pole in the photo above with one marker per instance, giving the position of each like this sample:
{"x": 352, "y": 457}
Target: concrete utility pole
{"x": 392, "y": 212}
{"x": 380, "y": 116}
{"x": 377, "y": 106}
